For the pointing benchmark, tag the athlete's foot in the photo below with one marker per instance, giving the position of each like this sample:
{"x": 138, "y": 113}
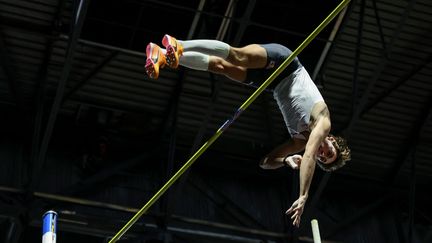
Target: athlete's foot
{"x": 155, "y": 60}
{"x": 173, "y": 50}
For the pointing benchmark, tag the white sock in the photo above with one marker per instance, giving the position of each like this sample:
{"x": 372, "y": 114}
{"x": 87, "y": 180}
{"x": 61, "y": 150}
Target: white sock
{"x": 209, "y": 47}
{"x": 195, "y": 60}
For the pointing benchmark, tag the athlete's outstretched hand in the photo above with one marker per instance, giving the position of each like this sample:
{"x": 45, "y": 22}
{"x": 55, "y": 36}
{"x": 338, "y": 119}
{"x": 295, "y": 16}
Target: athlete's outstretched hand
{"x": 297, "y": 210}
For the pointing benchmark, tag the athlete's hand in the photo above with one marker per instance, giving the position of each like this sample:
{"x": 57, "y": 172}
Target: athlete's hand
{"x": 294, "y": 161}
{"x": 297, "y": 210}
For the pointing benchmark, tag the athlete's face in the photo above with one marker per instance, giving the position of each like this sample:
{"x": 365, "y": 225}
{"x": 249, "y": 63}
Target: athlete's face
{"x": 327, "y": 153}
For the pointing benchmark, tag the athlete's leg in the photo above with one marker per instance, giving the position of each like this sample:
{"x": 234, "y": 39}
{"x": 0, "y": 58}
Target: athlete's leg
{"x": 209, "y": 47}
{"x": 221, "y": 66}
{"x": 175, "y": 48}
{"x": 199, "y": 61}
{"x": 250, "y": 56}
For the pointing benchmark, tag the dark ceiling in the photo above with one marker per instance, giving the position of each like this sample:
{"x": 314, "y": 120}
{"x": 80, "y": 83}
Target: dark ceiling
{"x": 86, "y": 133}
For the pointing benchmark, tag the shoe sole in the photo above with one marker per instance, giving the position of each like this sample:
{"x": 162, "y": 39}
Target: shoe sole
{"x": 172, "y": 58}
{"x": 152, "y": 68}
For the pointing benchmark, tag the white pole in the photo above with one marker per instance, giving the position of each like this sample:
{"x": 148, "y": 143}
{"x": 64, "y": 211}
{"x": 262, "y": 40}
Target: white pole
{"x": 315, "y": 231}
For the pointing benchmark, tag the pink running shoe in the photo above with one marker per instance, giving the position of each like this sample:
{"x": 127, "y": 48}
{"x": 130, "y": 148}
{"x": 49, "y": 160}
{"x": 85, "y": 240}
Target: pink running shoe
{"x": 173, "y": 51}
{"x": 155, "y": 60}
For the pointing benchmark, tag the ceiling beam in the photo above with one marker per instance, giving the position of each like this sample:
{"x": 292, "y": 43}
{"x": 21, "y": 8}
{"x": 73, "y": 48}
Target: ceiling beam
{"x": 226, "y": 205}
{"x": 354, "y": 97}
{"x": 379, "y": 25}
{"x": 10, "y": 73}
{"x": 240, "y": 21}
{"x": 89, "y": 184}
{"x": 196, "y": 19}
{"x": 90, "y": 75}
{"x": 402, "y": 80}
{"x": 340, "y": 23}
{"x": 41, "y": 82}
{"x": 378, "y": 71}
{"x": 226, "y": 20}
{"x": 411, "y": 142}
{"x": 70, "y": 51}
{"x": 245, "y": 22}
{"x": 356, "y": 216}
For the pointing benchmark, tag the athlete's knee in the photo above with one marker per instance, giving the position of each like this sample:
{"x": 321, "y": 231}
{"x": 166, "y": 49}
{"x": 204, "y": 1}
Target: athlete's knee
{"x": 216, "y": 66}
{"x": 237, "y": 56}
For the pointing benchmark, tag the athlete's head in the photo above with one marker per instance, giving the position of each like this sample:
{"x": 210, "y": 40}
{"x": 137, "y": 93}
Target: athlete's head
{"x": 333, "y": 153}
